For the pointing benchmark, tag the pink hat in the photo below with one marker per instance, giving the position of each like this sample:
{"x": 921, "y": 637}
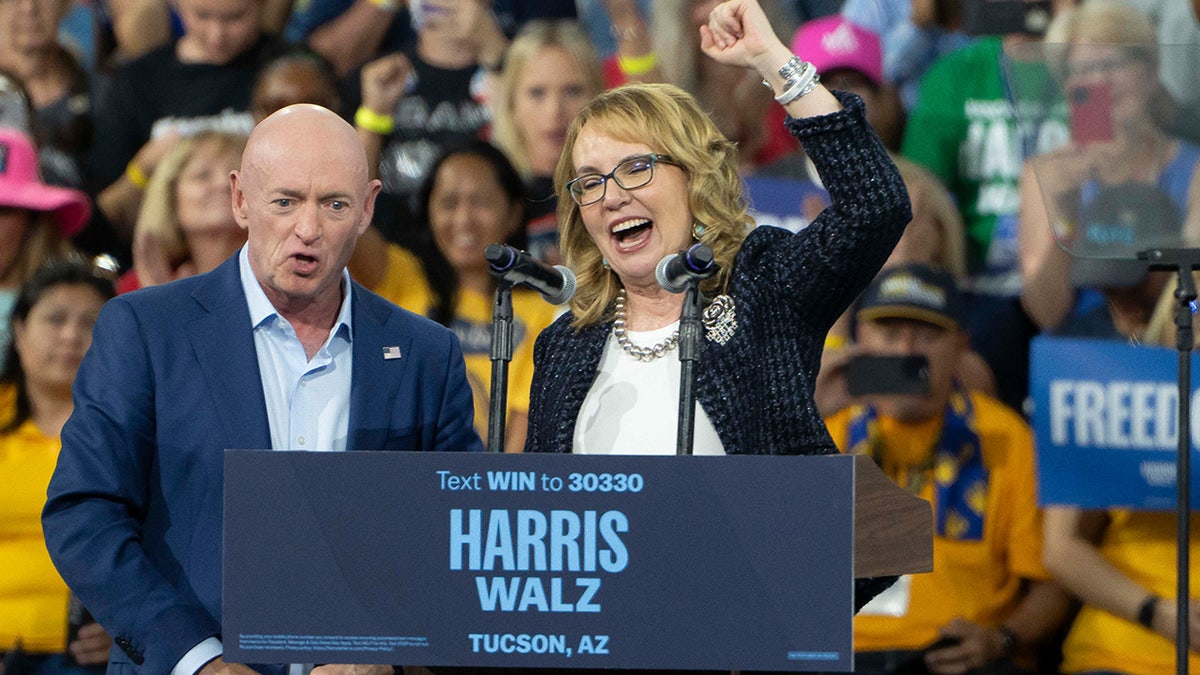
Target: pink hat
{"x": 832, "y": 42}
{"x": 21, "y": 185}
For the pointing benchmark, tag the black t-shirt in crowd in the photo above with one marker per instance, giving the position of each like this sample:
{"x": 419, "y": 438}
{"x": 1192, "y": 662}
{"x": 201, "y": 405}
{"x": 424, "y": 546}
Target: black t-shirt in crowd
{"x": 440, "y": 106}
{"x": 157, "y": 93}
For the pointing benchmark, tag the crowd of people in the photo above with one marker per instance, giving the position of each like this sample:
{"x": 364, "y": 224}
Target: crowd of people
{"x": 406, "y": 136}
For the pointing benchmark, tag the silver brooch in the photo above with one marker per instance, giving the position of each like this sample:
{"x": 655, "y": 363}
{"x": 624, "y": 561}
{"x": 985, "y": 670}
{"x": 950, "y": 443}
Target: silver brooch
{"x": 720, "y": 319}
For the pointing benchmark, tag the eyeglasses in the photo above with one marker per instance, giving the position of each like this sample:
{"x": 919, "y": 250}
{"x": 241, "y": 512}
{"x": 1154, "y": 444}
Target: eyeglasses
{"x": 1098, "y": 67}
{"x": 631, "y": 174}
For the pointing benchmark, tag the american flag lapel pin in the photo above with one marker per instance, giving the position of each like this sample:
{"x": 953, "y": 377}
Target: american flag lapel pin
{"x": 390, "y": 353}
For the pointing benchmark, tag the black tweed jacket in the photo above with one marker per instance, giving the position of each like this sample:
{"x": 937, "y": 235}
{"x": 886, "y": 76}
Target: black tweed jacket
{"x": 788, "y": 290}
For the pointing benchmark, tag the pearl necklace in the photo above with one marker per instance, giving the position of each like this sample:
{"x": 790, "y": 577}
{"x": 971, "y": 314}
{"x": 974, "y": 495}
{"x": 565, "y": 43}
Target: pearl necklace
{"x": 639, "y": 353}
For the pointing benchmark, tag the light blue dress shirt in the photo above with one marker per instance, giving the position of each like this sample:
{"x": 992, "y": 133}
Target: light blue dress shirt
{"x": 308, "y": 402}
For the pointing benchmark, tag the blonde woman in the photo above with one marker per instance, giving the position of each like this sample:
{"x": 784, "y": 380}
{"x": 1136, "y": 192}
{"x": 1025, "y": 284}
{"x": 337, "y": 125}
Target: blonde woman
{"x": 185, "y": 225}
{"x": 550, "y": 72}
{"x": 1111, "y": 46}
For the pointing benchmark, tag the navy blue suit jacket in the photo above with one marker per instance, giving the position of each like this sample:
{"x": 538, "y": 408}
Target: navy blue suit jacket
{"x": 134, "y": 511}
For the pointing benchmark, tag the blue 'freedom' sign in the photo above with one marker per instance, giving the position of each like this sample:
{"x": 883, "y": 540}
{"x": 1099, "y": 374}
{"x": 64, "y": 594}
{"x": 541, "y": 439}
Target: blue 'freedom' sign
{"x": 1105, "y": 417}
{"x": 552, "y": 561}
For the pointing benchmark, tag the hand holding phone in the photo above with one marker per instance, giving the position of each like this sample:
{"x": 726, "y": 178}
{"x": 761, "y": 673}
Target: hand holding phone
{"x": 916, "y": 664}
{"x": 77, "y": 617}
{"x": 869, "y": 374}
{"x": 1090, "y": 107}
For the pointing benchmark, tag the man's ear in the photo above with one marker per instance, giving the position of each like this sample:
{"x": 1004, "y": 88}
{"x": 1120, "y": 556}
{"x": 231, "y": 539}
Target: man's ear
{"x": 238, "y": 200}
{"x": 373, "y": 189}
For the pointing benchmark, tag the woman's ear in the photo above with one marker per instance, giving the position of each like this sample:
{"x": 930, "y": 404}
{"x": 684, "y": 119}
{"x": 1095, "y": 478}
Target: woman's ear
{"x": 18, "y": 335}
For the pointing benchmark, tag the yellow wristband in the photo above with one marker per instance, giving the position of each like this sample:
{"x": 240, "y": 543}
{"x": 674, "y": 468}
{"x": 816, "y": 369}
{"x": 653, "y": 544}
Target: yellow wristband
{"x": 637, "y": 65}
{"x": 373, "y": 122}
{"x": 135, "y": 175}
{"x": 833, "y": 342}
{"x": 389, "y": 5}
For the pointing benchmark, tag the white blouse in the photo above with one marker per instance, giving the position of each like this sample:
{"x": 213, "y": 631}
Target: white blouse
{"x": 633, "y": 406}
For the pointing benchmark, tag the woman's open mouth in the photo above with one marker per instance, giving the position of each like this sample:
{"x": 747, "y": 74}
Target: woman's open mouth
{"x": 632, "y": 233}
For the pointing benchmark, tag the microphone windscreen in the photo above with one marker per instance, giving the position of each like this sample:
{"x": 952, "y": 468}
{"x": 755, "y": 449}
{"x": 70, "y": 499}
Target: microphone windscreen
{"x": 568, "y": 287}
{"x": 660, "y": 273}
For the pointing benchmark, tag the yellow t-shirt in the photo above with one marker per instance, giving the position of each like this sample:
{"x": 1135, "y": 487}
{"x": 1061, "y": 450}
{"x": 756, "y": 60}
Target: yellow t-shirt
{"x": 977, "y": 580}
{"x": 473, "y": 325}
{"x": 404, "y": 282}
{"x": 1141, "y": 545}
{"x": 33, "y": 597}
{"x": 406, "y": 285}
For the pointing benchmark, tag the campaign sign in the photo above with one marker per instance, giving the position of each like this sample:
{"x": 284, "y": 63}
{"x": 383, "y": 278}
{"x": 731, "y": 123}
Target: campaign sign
{"x": 785, "y": 202}
{"x": 1105, "y": 417}
{"x": 556, "y": 561}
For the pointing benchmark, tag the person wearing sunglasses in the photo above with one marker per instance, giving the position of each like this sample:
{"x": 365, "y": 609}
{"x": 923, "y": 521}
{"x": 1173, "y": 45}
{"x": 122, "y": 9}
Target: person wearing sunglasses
{"x": 644, "y": 174}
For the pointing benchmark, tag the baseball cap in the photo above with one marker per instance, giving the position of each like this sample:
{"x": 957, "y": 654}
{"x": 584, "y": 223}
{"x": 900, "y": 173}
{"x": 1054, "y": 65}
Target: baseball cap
{"x": 913, "y": 291}
{"x": 21, "y": 185}
{"x": 1120, "y": 221}
{"x": 832, "y": 42}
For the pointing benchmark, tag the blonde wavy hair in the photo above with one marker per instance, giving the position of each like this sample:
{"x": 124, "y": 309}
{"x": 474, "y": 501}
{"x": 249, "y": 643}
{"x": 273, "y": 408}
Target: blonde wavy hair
{"x": 669, "y": 121}
{"x": 1103, "y": 22}
{"x": 1100, "y": 22}
{"x": 159, "y": 214}
{"x": 536, "y": 36}
{"x": 951, "y": 254}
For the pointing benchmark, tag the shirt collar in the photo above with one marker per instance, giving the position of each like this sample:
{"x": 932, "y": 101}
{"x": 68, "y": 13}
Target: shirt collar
{"x": 262, "y": 311}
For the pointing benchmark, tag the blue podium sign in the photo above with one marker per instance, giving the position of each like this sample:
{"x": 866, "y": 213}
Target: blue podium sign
{"x": 553, "y": 561}
{"x": 1106, "y": 419}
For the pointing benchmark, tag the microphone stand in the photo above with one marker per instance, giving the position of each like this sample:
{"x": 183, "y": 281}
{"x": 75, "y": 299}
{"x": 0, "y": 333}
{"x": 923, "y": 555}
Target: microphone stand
{"x": 501, "y": 352}
{"x": 1182, "y": 261}
{"x": 689, "y": 353}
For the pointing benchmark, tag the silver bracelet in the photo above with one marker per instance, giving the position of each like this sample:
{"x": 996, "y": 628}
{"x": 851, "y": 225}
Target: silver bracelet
{"x": 790, "y": 72}
{"x": 803, "y": 86}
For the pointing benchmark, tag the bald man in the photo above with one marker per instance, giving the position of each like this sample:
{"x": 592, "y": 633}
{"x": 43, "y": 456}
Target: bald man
{"x": 276, "y": 348}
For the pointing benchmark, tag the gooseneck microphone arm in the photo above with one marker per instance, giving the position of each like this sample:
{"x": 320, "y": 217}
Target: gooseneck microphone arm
{"x": 682, "y": 273}
{"x": 501, "y": 353}
{"x": 510, "y": 267}
{"x": 555, "y": 283}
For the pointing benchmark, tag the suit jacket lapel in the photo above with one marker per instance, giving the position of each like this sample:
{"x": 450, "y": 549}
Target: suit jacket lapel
{"x": 224, "y": 345}
{"x": 374, "y": 387}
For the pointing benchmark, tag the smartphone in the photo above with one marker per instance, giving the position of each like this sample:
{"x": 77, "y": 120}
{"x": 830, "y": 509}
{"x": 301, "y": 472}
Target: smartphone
{"x": 1090, "y": 107}
{"x": 77, "y": 617}
{"x": 869, "y": 374}
{"x": 942, "y": 643}
{"x": 1002, "y": 17}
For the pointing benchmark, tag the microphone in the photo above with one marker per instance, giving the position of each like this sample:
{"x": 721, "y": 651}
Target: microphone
{"x": 676, "y": 271}
{"x": 556, "y": 284}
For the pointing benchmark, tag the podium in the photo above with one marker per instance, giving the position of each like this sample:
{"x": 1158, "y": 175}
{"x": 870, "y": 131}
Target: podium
{"x": 557, "y": 561}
